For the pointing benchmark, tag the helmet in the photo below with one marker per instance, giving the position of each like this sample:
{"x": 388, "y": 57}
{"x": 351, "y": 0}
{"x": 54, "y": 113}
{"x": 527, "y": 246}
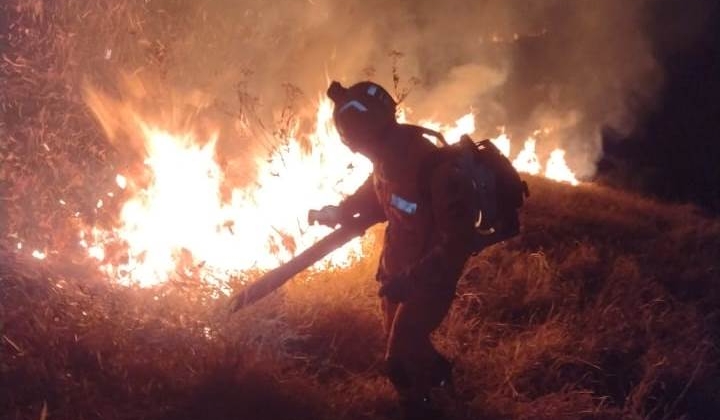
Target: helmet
{"x": 362, "y": 112}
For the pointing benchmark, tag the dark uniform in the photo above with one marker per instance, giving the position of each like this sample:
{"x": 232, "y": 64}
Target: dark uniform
{"x": 430, "y": 221}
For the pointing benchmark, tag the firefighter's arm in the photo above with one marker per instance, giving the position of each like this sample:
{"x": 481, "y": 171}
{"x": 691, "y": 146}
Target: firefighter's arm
{"x": 362, "y": 203}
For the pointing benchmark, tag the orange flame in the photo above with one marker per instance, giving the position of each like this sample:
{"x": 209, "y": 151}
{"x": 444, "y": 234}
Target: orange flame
{"x": 178, "y": 224}
{"x": 527, "y": 160}
{"x": 452, "y": 133}
{"x": 502, "y": 142}
{"x": 556, "y": 168}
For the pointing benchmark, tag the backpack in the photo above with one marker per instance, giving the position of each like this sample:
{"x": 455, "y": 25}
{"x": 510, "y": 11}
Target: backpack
{"x": 499, "y": 190}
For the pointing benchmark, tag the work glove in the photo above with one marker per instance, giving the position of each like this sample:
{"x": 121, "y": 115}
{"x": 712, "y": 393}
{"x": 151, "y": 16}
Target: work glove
{"x": 396, "y": 288}
{"x": 329, "y": 216}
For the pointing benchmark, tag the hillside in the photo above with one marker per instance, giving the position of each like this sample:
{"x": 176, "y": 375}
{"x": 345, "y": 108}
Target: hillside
{"x": 607, "y": 307}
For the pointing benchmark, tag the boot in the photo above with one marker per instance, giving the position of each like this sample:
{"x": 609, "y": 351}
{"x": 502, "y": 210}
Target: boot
{"x": 441, "y": 374}
{"x": 419, "y": 408}
{"x": 414, "y": 399}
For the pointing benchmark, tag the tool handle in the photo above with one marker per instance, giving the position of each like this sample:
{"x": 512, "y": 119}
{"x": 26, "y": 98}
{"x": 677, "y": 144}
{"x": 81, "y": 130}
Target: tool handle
{"x": 275, "y": 278}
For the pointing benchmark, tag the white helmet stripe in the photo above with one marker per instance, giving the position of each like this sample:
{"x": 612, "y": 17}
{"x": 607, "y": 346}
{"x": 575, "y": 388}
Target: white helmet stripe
{"x": 353, "y": 104}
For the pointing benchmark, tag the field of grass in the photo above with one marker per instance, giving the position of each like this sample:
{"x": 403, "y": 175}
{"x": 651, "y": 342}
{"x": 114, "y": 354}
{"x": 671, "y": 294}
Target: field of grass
{"x": 605, "y": 308}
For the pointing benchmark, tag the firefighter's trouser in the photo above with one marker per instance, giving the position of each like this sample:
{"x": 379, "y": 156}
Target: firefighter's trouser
{"x": 412, "y": 361}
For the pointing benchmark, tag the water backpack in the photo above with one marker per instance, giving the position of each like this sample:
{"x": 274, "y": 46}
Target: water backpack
{"x": 499, "y": 192}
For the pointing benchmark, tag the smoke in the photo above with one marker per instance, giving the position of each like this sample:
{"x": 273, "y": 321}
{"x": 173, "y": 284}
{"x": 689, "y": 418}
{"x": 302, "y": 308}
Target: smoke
{"x": 574, "y": 67}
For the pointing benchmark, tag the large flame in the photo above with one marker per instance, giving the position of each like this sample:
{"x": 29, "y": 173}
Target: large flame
{"x": 177, "y": 221}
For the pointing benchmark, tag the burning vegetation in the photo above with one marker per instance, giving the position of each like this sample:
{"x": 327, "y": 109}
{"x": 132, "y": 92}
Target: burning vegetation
{"x": 134, "y": 201}
{"x": 258, "y": 226}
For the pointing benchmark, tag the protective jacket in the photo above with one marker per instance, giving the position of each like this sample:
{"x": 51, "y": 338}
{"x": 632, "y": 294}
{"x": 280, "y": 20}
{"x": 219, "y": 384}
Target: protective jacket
{"x": 430, "y": 223}
{"x": 428, "y": 208}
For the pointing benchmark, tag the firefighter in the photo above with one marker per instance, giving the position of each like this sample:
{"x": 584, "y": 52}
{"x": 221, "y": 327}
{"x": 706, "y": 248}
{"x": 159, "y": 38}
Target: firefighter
{"x": 430, "y": 220}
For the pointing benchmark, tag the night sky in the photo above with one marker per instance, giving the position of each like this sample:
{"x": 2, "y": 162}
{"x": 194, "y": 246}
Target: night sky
{"x": 674, "y": 152}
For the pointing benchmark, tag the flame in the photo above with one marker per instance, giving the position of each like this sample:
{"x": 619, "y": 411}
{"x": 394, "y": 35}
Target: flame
{"x": 502, "y": 142}
{"x": 452, "y": 133}
{"x": 556, "y": 168}
{"x": 176, "y": 222}
{"x": 178, "y": 219}
{"x": 179, "y": 224}
{"x": 527, "y": 160}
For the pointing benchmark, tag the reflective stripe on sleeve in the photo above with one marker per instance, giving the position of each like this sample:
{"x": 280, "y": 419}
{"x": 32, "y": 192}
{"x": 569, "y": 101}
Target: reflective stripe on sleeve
{"x": 402, "y": 204}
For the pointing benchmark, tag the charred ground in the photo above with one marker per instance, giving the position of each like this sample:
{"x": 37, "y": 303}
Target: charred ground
{"x": 605, "y": 308}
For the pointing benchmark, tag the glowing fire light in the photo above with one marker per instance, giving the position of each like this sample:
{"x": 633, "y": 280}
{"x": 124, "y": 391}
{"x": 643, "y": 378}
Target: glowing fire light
{"x": 40, "y": 255}
{"x": 527, "y": 161}
{"x": 452, "y": 133}
{"x": 178, "y": 223}
{"x": 121, "y": 181}
{"x": 557, "y": 169}
{"x": 502, "y": 142}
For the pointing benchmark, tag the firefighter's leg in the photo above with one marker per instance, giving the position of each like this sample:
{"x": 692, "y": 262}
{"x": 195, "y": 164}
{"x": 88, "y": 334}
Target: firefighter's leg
{"x": 389, "y": 309}
{"x": 414, "y": 365}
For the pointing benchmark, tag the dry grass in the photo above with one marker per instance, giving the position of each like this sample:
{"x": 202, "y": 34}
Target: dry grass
{"x": 593, "y": 321}
{"x": 605, "y": 308}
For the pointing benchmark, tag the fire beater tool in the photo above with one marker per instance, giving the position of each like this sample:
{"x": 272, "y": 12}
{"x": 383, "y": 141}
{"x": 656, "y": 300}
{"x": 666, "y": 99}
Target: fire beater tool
{"x": 499, "y": 193}
{"x": 275, "y": 278}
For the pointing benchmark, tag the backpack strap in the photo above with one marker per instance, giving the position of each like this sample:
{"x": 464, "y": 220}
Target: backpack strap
{"x": 425, "y": 132}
